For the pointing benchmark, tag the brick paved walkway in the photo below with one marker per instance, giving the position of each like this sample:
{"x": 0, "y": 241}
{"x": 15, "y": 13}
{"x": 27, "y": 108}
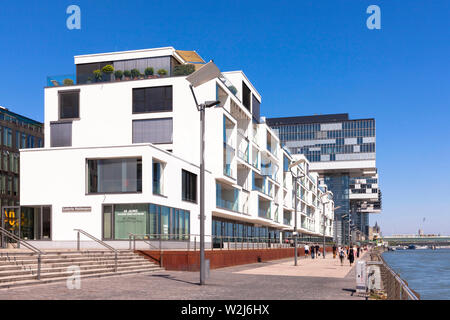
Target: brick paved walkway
{"x": 311, "y": 279}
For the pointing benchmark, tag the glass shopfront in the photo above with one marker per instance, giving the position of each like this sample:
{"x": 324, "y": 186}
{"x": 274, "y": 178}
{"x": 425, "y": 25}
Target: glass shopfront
{"x": 29, "y": 223}
{"x": 145, "y": 220}
{"x": 224, "y": 230}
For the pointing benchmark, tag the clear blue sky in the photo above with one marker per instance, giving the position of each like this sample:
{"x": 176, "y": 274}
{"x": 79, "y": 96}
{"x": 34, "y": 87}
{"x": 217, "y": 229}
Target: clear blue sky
{"x": 304, "y": 57}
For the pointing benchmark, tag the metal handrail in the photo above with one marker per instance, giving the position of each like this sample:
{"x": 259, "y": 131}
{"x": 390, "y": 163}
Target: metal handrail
{"x": 235, "y": 242}
{"x": 26, "y": 244}
{"x": 98, "y": 241}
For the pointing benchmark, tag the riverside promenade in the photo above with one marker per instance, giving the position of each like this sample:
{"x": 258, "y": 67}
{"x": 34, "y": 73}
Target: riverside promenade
{"x": 312, "y": 279}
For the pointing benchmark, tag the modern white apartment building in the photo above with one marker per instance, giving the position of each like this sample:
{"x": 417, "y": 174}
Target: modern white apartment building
{"x": 122, "y": 157}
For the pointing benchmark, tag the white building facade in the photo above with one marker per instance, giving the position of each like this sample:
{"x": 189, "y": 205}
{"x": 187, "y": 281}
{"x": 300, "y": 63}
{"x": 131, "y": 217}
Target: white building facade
{"x": 121, "y": 158}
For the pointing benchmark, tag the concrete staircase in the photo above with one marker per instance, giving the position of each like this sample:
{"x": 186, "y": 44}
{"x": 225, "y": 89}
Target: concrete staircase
{"x": 20, "y": 268}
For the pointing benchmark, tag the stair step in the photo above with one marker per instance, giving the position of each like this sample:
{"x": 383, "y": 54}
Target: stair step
{"x": 23, "y": 283}
{"x": 44, "y": 269}
{"x": 66, "y": 274}
{"x": 67, "y": 259}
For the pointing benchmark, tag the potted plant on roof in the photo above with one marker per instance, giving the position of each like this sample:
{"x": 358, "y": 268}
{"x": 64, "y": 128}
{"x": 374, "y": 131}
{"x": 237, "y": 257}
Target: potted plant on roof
{"x": 68, "y": 82}
{"x": 108, "y": 70}
{"x": 135, "y": 74}
{"x": 97, "y": 75}
{"x": 118, "y": 75}
{"x": 162, "y": 72}
{"x": 149, "y": 72}
{"x": 127, "y": 74}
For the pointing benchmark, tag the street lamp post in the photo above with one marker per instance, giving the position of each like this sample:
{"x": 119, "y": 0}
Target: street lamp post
{"x": 324, "y": 196}
{"x": 206, "y": 73}
{"x": 295, "y": 178}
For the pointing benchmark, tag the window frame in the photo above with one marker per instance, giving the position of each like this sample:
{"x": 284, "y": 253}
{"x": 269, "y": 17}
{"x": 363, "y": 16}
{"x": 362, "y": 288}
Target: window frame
{"x": 87, "y": 177}
{"x": 60, "y": 94}
{"x": 183, "y": 186}
{"x": 152, "y": 111}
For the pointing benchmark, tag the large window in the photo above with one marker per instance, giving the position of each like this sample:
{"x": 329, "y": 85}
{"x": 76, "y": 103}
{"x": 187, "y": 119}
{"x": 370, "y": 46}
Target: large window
{"x": 69, "y": 104}
{"x": 154, "y": 99}
{"x": 149, "y": 221}
{"x": 157, "y": 177}
{"x": 34, "y": 221}
{"x": 60, "y": 135}
{"x": 114, "y": 175}
{"x": 153, "y": 131}
{"x": 7, "y": 137}
{"x": 256, "y": 108}
{"x": 246, "y": 96}
{"x": 189, "y": 186}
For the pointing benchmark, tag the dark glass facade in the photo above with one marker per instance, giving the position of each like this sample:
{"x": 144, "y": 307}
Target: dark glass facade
{"x": 16, "y": 132}
{"x": 327, "y": 139}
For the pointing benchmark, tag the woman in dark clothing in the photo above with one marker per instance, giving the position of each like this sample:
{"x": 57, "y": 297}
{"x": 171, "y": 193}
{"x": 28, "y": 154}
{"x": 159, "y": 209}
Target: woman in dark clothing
{"x": 351, "y": 256}
{"x": 317, "y": 250}
{"x": 312, "y": 249}
{"x": 357, "y": 252}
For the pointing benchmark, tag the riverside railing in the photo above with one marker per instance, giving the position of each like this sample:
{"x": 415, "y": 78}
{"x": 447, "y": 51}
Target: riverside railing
{"x": 191, "y": 242}
{"x": 394, "y": 286}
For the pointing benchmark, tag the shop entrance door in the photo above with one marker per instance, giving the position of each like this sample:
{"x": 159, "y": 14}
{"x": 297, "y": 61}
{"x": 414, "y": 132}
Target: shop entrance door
{"x": 10, "y": 222}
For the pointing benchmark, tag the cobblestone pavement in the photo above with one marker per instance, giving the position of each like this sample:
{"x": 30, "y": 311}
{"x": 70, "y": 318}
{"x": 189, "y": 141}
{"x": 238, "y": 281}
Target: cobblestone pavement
{"x": 246, "y": 282}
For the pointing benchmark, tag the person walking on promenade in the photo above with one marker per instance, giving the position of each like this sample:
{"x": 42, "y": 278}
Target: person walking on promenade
{"x": 341, "y": 255}
{"x": 317, "y": 250}
{"x": 306, "y": 250}
{"x": 334, "y": 250}
{"x": 313, "y": 248}
{"x": 351, "y": 255}
{"x": 357, "y": 252}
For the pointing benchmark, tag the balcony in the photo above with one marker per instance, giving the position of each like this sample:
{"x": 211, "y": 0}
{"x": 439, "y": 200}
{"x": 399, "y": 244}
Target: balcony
{"x": 229, "y": 153}
{"x": 114, "y": 71}
{"x": 227, "y": 204}
{"x": 264, "y": 213}
{"x": 227, "y": 197}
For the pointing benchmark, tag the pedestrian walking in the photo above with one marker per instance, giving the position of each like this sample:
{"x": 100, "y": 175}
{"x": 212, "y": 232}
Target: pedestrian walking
{"x": 306, "y": 250}
{"x": 357, "y": 252}
{"x": 317, "y": 250}
{"x": 334, "y": 251}
{"x": 351, "y": 255}
{"x": 341, "y": 255}
{"x": 312, "y": 251}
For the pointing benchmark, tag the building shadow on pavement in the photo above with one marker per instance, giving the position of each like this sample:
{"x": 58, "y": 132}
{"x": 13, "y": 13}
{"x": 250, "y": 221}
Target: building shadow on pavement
{"x": 169, "y": 277}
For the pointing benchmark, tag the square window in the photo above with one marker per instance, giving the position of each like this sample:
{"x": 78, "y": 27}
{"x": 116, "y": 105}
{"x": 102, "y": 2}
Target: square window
{"x": 69, "y": 104}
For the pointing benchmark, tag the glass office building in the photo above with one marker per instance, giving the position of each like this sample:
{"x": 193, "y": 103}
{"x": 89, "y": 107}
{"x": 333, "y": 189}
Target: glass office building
{"x": 343, "y": 152}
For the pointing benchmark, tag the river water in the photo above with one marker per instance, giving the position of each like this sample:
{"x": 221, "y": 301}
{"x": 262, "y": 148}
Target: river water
{"x": 426, "y": 271}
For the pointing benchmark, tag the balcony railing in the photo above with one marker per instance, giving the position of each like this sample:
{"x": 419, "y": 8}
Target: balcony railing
{"x": 227, "y": 204}
{"x": 71, "y": 79}
{"x": 230, "y": 86}
{"x": 264, "y": 213}
{"x": 243, "y": 155}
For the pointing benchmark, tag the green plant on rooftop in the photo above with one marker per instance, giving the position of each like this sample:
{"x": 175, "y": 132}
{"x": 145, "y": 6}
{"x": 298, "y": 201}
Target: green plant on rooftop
{"x": 98, "y": 75}
{"x": 127, "y": 74}
{"x": 68, "y": 82}
{"x": 183, "y": 69}
{"x": 118, "y": 74}
{"x": 162, "y": 72}
{"x": 108, "y": 69}
{"x": 233, "y": 89}
{"x": 149, "y": 72}
{"x": 135, "y": 73}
